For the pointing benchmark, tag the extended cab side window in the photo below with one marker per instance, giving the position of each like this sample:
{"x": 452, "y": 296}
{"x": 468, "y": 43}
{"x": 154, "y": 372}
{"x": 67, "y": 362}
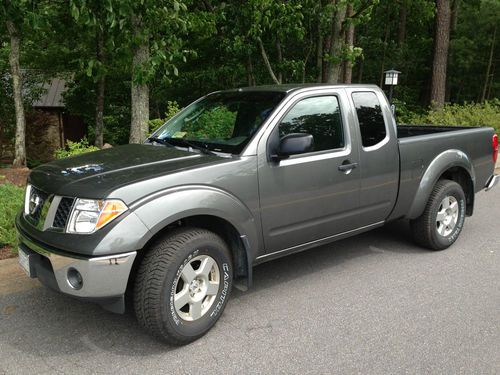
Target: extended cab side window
{"x": 318, "y": 116}
{"x": 370, "y": 118}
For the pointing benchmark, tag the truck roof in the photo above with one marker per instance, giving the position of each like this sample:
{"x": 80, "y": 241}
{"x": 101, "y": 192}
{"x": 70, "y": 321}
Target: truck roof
{"x": 289, "y": 87}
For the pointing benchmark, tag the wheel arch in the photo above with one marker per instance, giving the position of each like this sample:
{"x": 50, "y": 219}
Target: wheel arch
{"x": 208, "y": 208}
{"x": 461, "y": 176}
{"x": 454, "y": 165}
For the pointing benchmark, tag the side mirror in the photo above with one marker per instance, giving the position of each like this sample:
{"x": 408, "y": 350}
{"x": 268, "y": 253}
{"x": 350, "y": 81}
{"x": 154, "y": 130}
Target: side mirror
{"x": 293, "y": 144}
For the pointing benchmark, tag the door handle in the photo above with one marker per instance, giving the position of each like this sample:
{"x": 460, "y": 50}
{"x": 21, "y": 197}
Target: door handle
{"x": 346, "y": 166}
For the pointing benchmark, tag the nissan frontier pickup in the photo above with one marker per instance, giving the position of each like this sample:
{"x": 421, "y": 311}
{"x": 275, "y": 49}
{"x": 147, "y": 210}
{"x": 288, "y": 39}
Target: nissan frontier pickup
{"x": 238, "y": 178}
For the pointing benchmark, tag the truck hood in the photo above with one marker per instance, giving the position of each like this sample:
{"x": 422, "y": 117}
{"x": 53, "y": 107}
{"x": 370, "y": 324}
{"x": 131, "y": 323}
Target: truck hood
{"x": 95, "y": 174}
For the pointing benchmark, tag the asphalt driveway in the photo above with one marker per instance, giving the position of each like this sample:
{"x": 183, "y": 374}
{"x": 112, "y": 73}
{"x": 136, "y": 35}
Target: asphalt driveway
{"x": 372, "y": 304}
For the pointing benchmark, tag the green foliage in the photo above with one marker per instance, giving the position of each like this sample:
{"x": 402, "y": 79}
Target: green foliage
{"x": 33, "y": 163}
{"x": 154, "y": 124}
{"x": 470, "y": 47}
{"x": 468, "y": 114}
{"x": 197, "y": 47}
{"x": 75, "y": 148}
{"x": 116, "y": 131}
{"x": 172, "y": 109}
{"x": 218, "y": 123}
{"x": 11, "y": 201}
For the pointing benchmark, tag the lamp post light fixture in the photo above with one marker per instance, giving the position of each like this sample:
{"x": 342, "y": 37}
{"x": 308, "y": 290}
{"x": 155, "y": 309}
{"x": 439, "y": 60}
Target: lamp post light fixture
{"x": 391, "y": 80}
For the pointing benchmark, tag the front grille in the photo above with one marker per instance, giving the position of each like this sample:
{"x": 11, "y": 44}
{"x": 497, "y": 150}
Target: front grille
{"x": 62, "y": 213}
{"x": 36, "y": 204}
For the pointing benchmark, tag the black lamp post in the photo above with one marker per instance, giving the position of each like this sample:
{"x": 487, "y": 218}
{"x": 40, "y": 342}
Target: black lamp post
{"x": 391, "y": 80}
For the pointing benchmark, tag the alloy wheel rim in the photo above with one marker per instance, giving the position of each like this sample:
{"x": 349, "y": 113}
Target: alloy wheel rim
{"x": 196, "y": 287}
{"x": 447, "y": 216}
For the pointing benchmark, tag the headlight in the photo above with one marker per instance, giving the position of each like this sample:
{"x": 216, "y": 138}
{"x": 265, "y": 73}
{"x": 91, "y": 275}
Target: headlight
{"x": 89, "y": 215}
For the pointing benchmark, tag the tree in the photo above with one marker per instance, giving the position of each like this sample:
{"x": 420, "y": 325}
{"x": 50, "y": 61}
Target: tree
{"x": 271, "y": 24}
{"x": 154, "y": 29}
{"x": 139, "y": 88}
{"x": 349, "y": 41}
{"x": 335, "y": 40}
{"x": 97, "y": 19}
{"x": 440, "y": 59}
{"x": 12, "y": 14}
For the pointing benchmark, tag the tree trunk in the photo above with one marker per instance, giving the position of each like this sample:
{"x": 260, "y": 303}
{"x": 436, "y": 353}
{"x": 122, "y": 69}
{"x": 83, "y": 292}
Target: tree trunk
{"x": 441, "y": 46}
{"x": 492, "y": 77}
{"x": 455, "y": 5}
{"x": 349, "y": 40}
{"x": 386, "y": 37}
{"x": 402, "y": 24}
{"x": 360, "y": 71}
{"x": 101, "y": 83}
{"x": 20, "y": 141}
{"x": 319, "y": 55}
{"x": 280, "y": 59}
{"x": 337, "y": 45}
{"x": 488, "y": 68}
{"x": 327, "y": 45}
{"x": 250, "y": 74}
{"x": 306, "y": 60}
{"x": 266, "y": 61}
{"x": 139, "y": 90}
{"x": 454, "y": 15}
{"x": 99, "y": 112}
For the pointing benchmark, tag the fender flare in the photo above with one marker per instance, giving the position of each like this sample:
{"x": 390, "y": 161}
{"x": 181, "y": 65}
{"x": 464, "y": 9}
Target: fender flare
{"x": 441, "y": 163}
{"x": 168, "y": 206}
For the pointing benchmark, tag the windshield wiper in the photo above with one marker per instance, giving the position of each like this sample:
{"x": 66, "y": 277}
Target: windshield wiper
{"x": 182, "y": 142}
{"x": 160, "y": 141}
{"x": 202, "y": 149}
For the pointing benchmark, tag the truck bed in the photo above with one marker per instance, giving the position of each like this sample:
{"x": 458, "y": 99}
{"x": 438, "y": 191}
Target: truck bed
{"x": 415, "y": 130}
{"x": 419, "y": 145}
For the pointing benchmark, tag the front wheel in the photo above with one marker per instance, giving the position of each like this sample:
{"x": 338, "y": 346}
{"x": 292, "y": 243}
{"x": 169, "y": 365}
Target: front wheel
{"x": 183, "y": 285}
{"x": 443, "y": 218}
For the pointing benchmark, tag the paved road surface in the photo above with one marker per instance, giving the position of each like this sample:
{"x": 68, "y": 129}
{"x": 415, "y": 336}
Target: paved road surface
{"x": 373, "y": 304}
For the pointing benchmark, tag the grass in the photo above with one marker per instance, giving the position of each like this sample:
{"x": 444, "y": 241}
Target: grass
{"x": 11, "y": 201}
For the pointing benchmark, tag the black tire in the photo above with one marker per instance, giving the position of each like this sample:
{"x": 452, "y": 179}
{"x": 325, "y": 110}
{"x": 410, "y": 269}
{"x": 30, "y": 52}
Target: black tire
{"x": 425, "y": 228}
{"x": 161, "y": 273}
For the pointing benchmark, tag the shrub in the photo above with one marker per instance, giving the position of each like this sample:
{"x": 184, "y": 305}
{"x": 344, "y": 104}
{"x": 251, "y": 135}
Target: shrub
{"x": 11, "y": 201}
{"x": 154, "y": 124}
{"x": 33, "y": 163}
{"x": 172, "y": 109}
{"x": 468, "y": 114}
{"x": 75, "y": 148}
{"x": 116, "y": 129}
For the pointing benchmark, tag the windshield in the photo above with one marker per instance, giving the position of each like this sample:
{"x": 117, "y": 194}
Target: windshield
{"x": 221, "y": 122}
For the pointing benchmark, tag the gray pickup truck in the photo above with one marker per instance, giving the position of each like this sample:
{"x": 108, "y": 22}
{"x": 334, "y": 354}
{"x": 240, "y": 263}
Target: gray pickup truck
{"x": 238, "y": 178}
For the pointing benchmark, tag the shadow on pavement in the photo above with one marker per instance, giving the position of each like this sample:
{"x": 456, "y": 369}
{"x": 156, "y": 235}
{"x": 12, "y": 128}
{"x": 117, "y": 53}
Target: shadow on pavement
{"x": 394, "y": 237}
{"x": 46, "y": 324}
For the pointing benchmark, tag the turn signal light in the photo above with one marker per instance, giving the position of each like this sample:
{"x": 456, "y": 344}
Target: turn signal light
{"x": 111, "y": 209}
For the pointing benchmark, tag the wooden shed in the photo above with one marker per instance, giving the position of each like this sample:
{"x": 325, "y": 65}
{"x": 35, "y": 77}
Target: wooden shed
{"x": 48, "y": 125}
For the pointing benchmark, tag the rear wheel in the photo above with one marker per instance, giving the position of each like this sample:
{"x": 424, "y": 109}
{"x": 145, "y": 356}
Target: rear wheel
{"x": 443, "y": 218}
{"x": 183, "y": 285}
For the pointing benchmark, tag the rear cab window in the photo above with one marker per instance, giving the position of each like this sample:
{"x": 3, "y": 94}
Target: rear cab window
{"x": 370, "y": 118}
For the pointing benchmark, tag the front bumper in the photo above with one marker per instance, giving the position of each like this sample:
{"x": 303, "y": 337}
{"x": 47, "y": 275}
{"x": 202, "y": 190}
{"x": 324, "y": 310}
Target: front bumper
{"x": 492, "y": 181}
{"x": 104, "y": 279}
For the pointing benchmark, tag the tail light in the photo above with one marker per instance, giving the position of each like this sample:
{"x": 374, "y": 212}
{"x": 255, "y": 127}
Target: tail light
{"x": 495, "y": 147}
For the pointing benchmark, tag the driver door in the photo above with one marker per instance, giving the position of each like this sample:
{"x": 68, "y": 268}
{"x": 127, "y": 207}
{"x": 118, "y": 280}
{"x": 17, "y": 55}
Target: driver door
{"x": 308, "y": 197}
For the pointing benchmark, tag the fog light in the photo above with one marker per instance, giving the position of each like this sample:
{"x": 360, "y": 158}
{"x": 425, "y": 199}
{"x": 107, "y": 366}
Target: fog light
{"x": 75, "y": 279}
